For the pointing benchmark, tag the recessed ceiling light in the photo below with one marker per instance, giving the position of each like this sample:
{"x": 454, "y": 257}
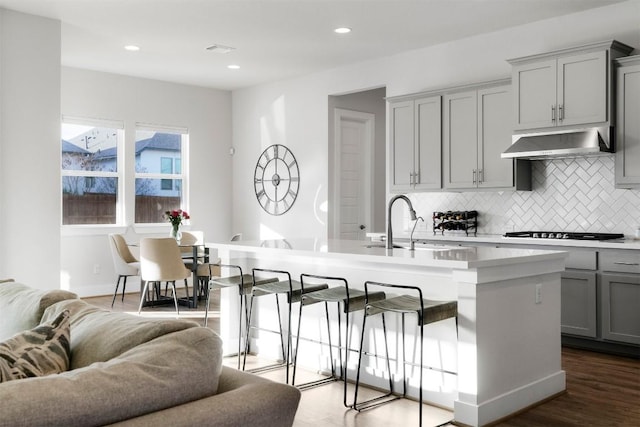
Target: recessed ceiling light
{"x": 342, "y": 30}
{"x": 132, "y": 48}
{"x": 233, "y": 67}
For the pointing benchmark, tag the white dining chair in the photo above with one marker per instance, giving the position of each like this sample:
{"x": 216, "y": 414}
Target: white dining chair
{"x": 124, "y": 262}
{"x": 161, "y": 261}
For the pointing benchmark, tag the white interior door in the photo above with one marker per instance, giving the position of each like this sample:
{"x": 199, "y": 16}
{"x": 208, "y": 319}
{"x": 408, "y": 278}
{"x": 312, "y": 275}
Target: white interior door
{"x": 354, "y": 133}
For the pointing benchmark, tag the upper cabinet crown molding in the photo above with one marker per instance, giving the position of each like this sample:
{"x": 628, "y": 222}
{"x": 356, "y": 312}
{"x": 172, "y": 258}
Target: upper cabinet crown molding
{"x": 613, "y": 45}
{"x": 450, "y": 89}
{"x": 566, "y": 88}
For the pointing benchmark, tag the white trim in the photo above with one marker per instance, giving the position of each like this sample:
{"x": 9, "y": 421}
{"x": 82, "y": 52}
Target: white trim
{"x": 368, "y": 154}
{"x": 93, "y": 121}
{"x": 161, "y": 128}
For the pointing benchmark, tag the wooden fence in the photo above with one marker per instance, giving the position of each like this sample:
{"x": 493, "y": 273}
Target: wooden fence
{"x": 98, "y": 208}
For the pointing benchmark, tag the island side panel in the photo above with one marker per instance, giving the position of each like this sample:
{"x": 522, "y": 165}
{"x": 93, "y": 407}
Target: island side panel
{"x": 509, "y": 342}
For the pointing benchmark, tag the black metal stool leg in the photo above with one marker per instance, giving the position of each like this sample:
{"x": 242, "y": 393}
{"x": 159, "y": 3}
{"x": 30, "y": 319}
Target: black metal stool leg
{"x": 385, "y": 398}
{"x": 247, "y": 332}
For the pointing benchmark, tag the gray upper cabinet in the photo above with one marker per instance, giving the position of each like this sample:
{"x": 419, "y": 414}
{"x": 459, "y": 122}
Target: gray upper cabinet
{"x": 477, "y": 129}
{"x": 628, "y": 123}
{"x": 494, "y": 136}
{"x": 460, "y": 154}
{"x": 415, "y": 144}
{"x": 565, "y": 88}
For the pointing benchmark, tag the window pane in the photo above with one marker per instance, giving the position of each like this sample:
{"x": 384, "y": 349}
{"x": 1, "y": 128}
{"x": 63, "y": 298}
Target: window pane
{"x": 89, "y": 148}
{"x": 152, "y": 201}
{"x": 156, "y": 151}
{"x": 89, "y": 200}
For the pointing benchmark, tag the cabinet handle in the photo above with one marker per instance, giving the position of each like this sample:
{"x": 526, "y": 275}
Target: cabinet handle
{"x": 416, "y": 178}
{"x": 474, "y": 176}
{"x": 410, "y": 178}
{"x": 561, "y": 112}
{"x": 626, "y": 263}
{"x": 480, "y": 176}
{"x": 553, "y": 113}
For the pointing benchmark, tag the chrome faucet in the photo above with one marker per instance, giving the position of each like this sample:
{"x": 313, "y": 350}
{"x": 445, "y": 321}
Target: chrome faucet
{"x": 412, "y": 243}
{"x": 389, "y": 227}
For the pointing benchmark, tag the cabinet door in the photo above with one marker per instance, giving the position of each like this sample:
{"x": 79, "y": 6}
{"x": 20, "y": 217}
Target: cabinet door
{"x": 578, "y": 312}
{"x": 428, "y": 144}
{"x": 582, "y": 89}
{"x": 628, "y": 128}
{"x": 620, "y": 308}
{"x": 535, "y": 94}
{"x": 460, "y": 145}
{"x": 494, "y": 136}
{"x": 402, "y": 141}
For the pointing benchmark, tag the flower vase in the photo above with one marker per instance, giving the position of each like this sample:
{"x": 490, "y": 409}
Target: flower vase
{"x": 175, "y": 232}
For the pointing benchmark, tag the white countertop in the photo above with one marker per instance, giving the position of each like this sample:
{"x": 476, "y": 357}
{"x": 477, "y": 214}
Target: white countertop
{"x": 431, "y": 255}
{"x": 628, "y": 243}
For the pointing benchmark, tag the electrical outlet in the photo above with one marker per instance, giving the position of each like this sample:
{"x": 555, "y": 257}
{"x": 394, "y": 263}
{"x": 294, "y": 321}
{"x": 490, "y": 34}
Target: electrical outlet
{"x": 538, "y": 293}
{"x": 96, "y": 268}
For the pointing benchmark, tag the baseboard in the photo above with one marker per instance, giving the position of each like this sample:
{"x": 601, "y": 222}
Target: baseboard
{"x": 510, "y": 403}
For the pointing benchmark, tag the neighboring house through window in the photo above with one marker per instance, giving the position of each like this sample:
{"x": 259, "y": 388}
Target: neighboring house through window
{"x": 160, "y": 178}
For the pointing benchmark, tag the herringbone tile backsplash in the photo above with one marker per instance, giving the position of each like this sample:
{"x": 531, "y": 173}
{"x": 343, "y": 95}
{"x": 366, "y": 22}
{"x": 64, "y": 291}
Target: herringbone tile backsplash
{"x": 567, "y": 195}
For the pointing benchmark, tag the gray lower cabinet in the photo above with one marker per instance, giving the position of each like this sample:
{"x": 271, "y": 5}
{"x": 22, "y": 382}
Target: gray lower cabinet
{"x": 579, "y": 303}
{"x": 620, "y": 308}
{"x": 620, "y": 296}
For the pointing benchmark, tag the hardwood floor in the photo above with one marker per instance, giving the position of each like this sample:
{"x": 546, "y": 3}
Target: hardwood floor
{"x": 602, "y": 390}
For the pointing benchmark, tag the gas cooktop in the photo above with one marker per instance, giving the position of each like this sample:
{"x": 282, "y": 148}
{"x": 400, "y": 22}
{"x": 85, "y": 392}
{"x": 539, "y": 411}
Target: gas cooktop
{"x": 564, "y": 235}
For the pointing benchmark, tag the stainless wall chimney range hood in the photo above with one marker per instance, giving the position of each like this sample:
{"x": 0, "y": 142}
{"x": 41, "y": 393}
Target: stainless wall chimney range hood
{"x": 561, "y": 144}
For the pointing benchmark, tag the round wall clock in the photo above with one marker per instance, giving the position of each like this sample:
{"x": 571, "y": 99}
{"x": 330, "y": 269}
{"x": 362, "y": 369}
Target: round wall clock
{"x": 276, "y": 179}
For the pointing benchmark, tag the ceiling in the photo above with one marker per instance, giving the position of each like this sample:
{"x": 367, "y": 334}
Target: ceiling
{"x": 273, "y": 39}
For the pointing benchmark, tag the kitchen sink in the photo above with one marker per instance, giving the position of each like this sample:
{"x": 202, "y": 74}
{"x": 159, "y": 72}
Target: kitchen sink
{"x": 418, "y": 247}
{"x": 384, "y": 245}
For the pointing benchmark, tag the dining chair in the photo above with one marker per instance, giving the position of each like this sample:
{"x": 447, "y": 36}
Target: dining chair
{"x": 161, "y": 261}
{"x": 124, "y": 262}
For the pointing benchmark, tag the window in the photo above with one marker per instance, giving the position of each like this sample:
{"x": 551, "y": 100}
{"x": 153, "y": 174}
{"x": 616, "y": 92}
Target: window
{"x": 90, "y": 171}
{"x": 166, "y": 167}
{"x": 160, "y": 179}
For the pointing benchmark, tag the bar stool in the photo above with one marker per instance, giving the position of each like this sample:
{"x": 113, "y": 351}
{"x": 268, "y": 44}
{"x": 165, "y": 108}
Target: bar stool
{"x": 428, "y": 311}
{"x": 352, "y": 300}
{"x": 294, "y": 291}
{"x": 244, "y": 283}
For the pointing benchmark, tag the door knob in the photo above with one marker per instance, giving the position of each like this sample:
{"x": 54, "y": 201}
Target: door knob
{"x": 362, "y": 227}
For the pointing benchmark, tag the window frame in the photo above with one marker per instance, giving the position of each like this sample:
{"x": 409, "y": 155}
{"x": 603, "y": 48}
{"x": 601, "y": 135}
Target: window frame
{"x": 90, "y": 175}
{"x": 182, "y": 177}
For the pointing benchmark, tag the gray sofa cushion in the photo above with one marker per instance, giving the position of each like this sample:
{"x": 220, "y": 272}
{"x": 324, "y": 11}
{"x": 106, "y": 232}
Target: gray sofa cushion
{"x": 170, "y": 370}
{"x": 243, "y": 399}
{"x": 22, "y": 307}
{"x": 99, "y": 335}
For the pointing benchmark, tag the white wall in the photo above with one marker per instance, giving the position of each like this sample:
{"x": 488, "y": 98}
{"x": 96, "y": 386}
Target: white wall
{"x": 294, "y": 112}
{"x": 206, "y": 113}
{"x": 30, "y": 149}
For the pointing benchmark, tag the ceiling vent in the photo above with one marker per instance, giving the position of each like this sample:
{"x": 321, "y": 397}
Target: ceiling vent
{"x": 218, "y": 48}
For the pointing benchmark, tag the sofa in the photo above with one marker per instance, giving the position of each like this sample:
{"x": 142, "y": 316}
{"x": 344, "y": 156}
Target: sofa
{"x": 130, "y": 371}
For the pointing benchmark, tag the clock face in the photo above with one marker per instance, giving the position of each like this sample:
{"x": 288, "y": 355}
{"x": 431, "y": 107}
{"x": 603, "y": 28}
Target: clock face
{"x": 276, "y": 179}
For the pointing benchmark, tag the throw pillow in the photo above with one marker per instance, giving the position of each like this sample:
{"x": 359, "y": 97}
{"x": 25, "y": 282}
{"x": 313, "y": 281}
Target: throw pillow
{"x": 41, "y": 351}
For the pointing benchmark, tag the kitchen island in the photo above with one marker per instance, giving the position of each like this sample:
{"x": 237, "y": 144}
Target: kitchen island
{"x": 506, "y": 355}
